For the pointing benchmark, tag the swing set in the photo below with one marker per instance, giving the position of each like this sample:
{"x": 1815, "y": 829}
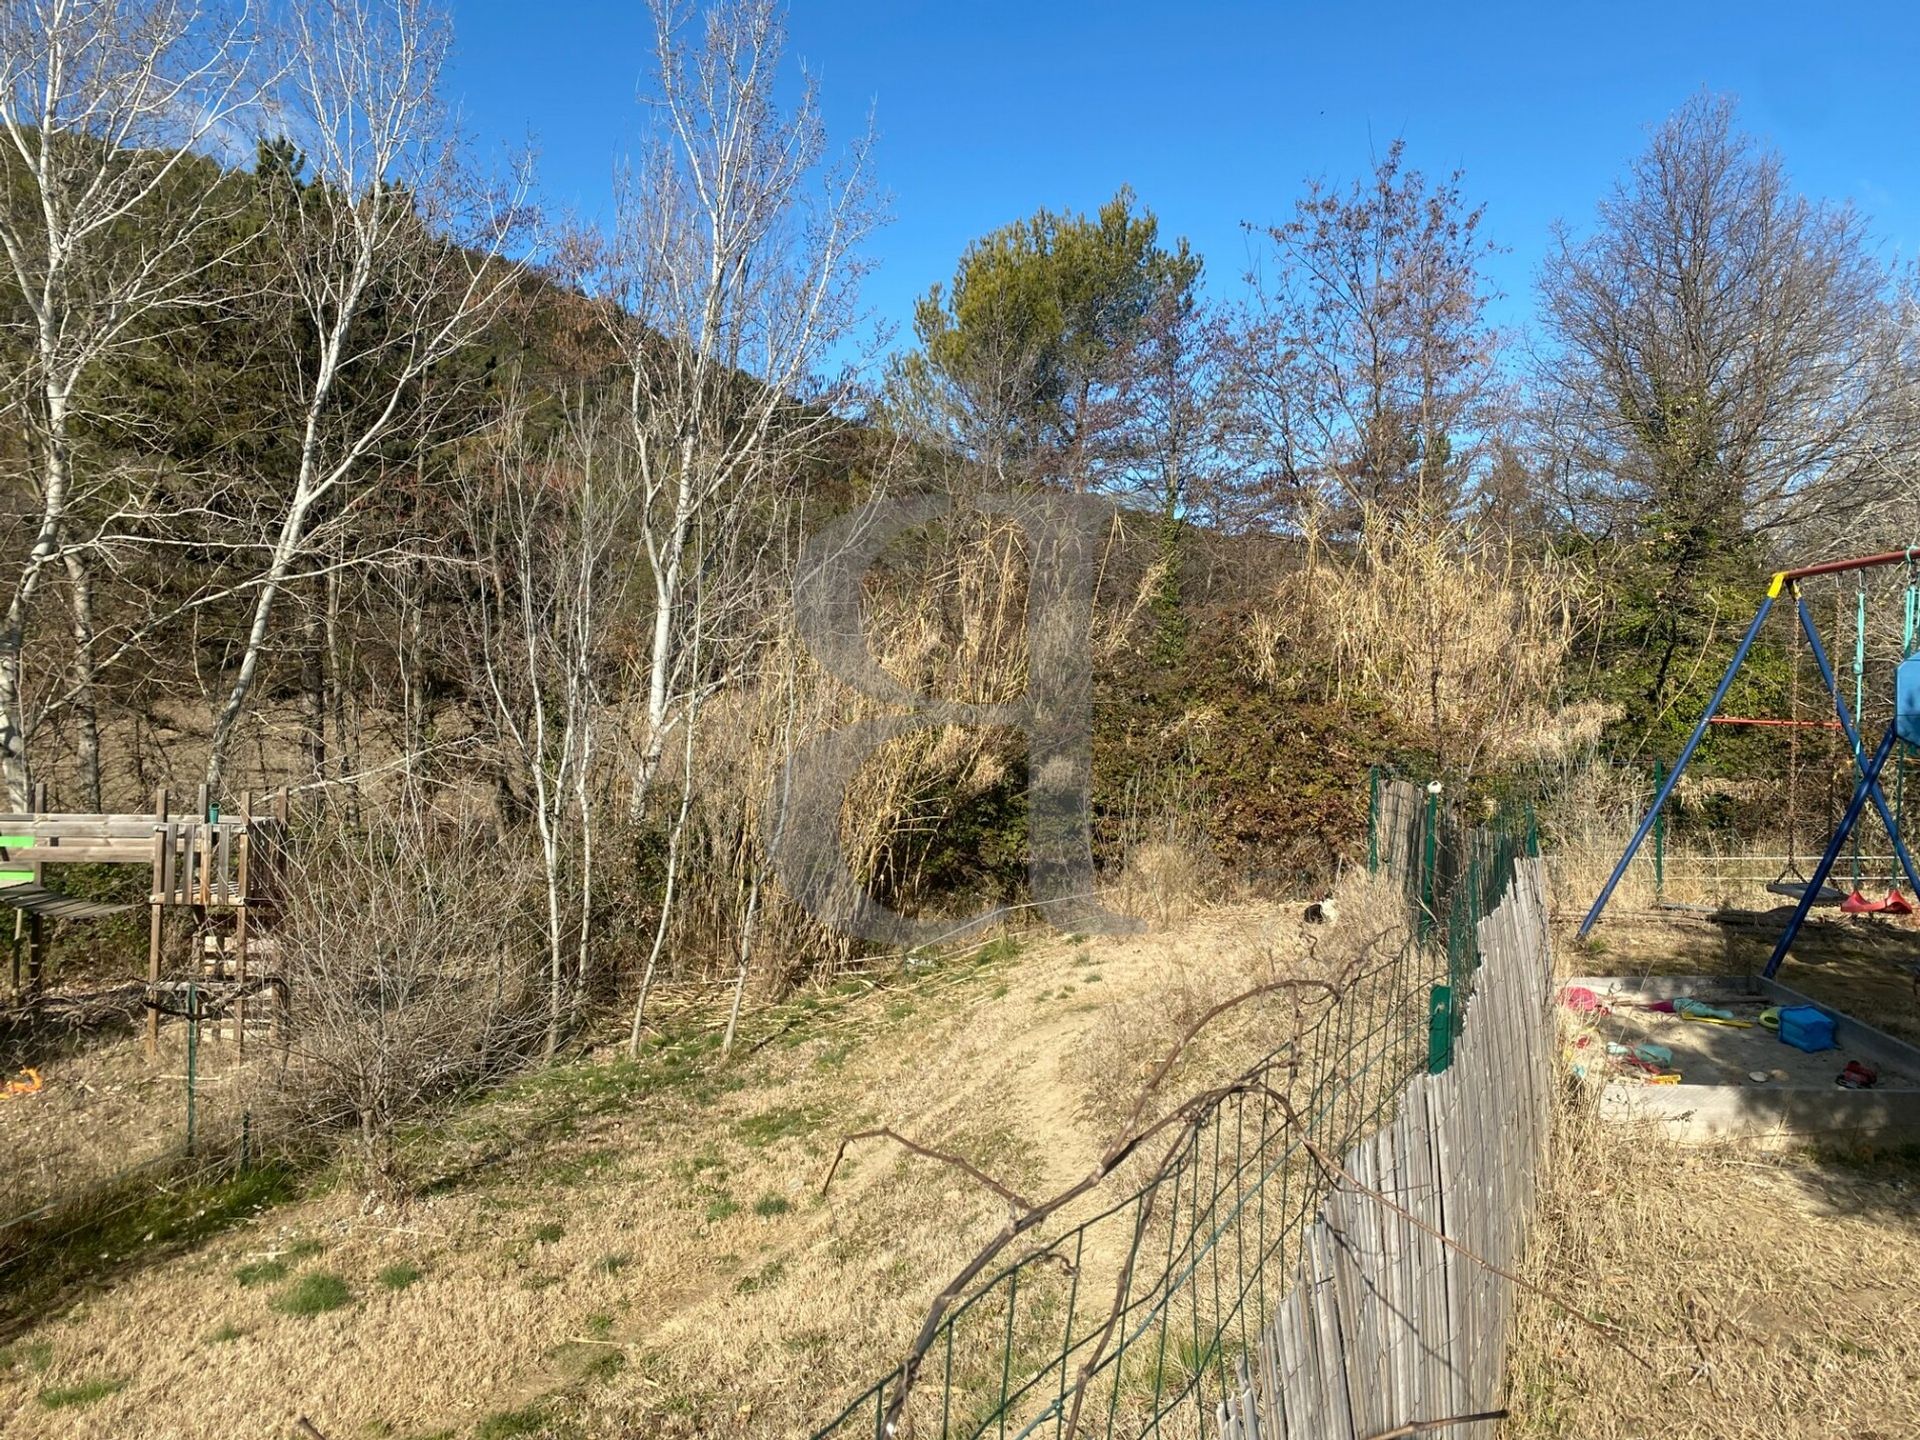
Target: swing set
{"x": 1901, "y": 735}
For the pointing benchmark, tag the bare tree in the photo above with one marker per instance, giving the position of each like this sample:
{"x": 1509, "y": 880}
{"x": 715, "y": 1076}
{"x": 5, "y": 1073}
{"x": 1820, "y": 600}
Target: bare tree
{"x": 1716, "y": 372}
{"x": 1714, "y": 339}
{"x": 1366, "y": 363}
{"x": 1891, "y": 449}
{"x": 731, "y": 279}
{"x": 548, "y": 528}
{"x": 393, "y": 257}
{"x": 109, "y": 216}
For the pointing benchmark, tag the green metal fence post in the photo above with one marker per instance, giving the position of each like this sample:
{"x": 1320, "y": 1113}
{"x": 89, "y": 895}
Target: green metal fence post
{"x": 1440, "y": 1030}
{"x": 193, "y": 1055}
{"x": 1373, "y": 820}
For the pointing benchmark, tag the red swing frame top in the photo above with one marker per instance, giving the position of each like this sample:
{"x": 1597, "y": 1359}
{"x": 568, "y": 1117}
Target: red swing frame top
{"x": 1840, "y": 567}
{"x": 1781, "y": 580}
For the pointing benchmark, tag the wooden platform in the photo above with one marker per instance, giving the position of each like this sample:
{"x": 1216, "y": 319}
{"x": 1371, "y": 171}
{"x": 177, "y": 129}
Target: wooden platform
{"x": 206, "y": 863}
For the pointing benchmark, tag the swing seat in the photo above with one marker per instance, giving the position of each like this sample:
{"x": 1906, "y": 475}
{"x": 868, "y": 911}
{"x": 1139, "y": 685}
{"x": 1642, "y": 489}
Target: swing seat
{"x": 1858, "y": 904}
{"x": 1896, "y": 904}
{"x": 1795, "y": 887}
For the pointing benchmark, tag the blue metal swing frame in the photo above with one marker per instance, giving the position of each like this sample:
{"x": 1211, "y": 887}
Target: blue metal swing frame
{"x": 1867, "y": 790}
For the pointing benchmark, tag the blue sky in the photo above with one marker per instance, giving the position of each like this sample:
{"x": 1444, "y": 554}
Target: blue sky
{"x": 1215, "y": 112}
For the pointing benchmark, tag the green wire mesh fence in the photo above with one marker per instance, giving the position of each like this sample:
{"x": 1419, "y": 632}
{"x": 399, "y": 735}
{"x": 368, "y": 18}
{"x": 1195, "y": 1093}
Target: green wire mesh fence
{"x": 1135, "y": 1319}
{"x": 1453, "y": 873}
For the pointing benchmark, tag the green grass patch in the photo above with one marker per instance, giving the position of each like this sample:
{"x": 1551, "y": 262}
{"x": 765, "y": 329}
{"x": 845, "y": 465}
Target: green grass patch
{"x": 763, "y": 1279}
{"x": 256, "y": 1273}
{"x": 718, "y": 1210}
{"x": 129, "y": 1224}
{"x": 548, "y": 1233}
{"x": 604, "y": 1366}
{"x": 613, "y": 1264}
{"x": 779, "y": 1123}
{"x": 399, "y": 1276}
{"x": 551, "y": 1103}
{"x": 225, "y": 1335}
{"x": 313, "y": 1294}
{"x": 535, "y": 1419}
{"x": 580, "y": 1167}
{"x": 998, "y": 949}
{"x": 600, "y": 1327}
{"x": 30, "y": 1355}
{"x": 769, "y": 1205}
{"x": 87, "y": 1392}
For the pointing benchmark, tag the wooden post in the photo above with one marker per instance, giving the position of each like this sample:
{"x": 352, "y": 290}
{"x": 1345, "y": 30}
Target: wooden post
{"x": 157, "y": 895}
{"x": 276, "y": 877}
{"x": 36, "y": 927}
{"x": 36, "y": 955}
{"x": 240, "y": 898}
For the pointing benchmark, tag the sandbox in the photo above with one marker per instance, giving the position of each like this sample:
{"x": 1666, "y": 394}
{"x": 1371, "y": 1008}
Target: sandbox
{"x": 1799, "y": 1100}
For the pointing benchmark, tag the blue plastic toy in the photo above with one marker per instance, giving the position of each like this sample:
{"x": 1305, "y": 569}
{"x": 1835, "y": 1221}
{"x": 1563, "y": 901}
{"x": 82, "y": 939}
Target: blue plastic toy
{"x": 1806, "y": 1028}
{"x": 1906, "y": 689}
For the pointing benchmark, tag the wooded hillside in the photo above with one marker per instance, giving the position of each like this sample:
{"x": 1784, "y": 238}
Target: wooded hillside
{"x": 331, "y": 464}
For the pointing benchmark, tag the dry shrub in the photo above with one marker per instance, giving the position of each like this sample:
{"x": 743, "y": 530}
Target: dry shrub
{"x": 1587, "y": 810}
{"x": 1590, "y": 808}
{"x": 1570, "y": 736}
{"x": 1164, "y": 881}
{"x": 1167, "y": 869}
{"x": 1452, "y": 628}
{"x": 1767, "y": 1291}
{"x": 411, "y": 958}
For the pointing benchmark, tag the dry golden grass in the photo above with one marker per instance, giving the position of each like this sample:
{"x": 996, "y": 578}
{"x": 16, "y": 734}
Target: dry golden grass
{"x": 644, "y": 1250}
{"x": 1771, "y": 1294}
{"x": 1455, "y": 629}
{"x": 105, "y": 1107}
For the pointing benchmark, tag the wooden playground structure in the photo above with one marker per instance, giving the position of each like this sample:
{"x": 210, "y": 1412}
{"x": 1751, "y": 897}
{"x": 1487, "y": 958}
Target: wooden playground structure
{"x": 219, "y": 871}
